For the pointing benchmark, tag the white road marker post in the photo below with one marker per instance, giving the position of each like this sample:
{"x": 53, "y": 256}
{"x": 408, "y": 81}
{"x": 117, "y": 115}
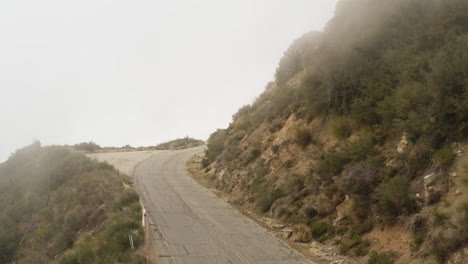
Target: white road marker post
{"x": 130, "y": 237}
{"x": 145, "y": 226}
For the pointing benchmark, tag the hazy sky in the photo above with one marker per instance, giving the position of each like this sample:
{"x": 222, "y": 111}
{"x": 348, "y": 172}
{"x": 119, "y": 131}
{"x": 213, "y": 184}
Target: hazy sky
{"x": 138, "y": 72}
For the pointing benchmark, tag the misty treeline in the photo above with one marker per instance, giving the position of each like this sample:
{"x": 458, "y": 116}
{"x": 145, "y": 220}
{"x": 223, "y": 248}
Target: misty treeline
{"x": 379, "y": 70}
{"x": 59, "y": 206}
{"x": 180, "y": 143}
{"x": 392, "y": 65}
{"x": 399, "y": 65}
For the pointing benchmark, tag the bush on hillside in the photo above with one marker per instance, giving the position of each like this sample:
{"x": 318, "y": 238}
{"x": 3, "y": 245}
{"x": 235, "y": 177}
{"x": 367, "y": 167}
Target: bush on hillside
{"x": 341, "y": 128}
{"x": 57, "y": 188}
{"x": 393, "y": 198}
{"x": 215, "y": 146}
{"x": 444, "y": 157}
{"x": 359, "y": 179}
{"x": 180, "y": 143}
{"x": 334, "y": 161}
{"x": 381, "y": 258}
{"x": 87, "y": 146}
{"x": 302, "y": 136}
{"x": 265, "y": 199}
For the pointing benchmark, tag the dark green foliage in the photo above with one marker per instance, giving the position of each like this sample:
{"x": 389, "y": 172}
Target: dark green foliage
{"x": 293, "y": 60}
{"x": 405, "y": 71}
{"x": 360, "y": 179}
{"x": 87, "y": 146}
{"x": 444, "y": 157}
{"x": 215, "y": 146}
{"x": 439, "y": 217}
{"x": 393, "y": 198}
{"x": 362, "y": 227}
{"x": 381, "y": 258}
{"x": 128, "y": 198}
{"x": 310, "y": 212}
{"x": 253, "y": 155}
{"x": 341, "y": 128}
{"x": 332, "y": 164}
{"x": 301, "y": 136}
{"x": 359, "y": 245}
{"x": 64, "y": 195}
{"x": 180, "y": 143}
{"x": 265, "y": 200}
{"x": 9, "y": 237}
{"x": 321, "y": 230}
{"x": 334, "y": 161}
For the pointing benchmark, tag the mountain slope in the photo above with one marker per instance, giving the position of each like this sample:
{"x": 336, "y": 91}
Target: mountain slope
{"x": 360, "y": 132}
{"x": 58, "y": 206}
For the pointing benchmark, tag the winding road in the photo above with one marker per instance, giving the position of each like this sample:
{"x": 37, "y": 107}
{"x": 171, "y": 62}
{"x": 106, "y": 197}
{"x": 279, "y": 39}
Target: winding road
{"x": 190, "y": 224}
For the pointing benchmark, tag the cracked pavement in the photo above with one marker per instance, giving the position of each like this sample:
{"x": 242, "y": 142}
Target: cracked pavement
{"x": 189, "y": 224}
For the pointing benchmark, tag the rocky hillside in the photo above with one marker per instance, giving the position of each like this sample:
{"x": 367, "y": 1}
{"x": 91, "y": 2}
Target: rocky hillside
{"x": 359, "y": 141}
{"x": 58, "y": 206}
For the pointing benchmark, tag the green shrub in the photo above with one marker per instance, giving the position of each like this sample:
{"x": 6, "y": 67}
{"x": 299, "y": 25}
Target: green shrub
{"x": 205, "y": 162}
{"x": 310, "y": 212}
{"x": 332, "y": 163}
{"x": 360, "y": 179}
{"x": 289, "y": 163}
{"x": 416, "y": 243}
{"x": 361, "y": 250}
{"x": 180, "y": 143}
{"x": 439, "y": 245}
{"x": 265, "y": 200}
{"x": 275, "y": 126}
{"x": 275, "y": 148}
{"x": 461, "y": 217}
{"x": 69, "y": 259}
{"x": 381, "y": 258}
{"x": 439, "y": 217}
{"x": 242, "y": 126}
{"x": 105, "y": 166}
{"x": 87, "y": 146}
{"x": 362, "y": 227}
{"x": 393, "y": 198}
{"x": 85, "y": 255}
{"x": 128, "y": 198}
{"x": 357, "y": 243}
{"x": 257, "y": 183}
{"x": 360, "y": 150}
{"x": 444, "y": 157}
{"x": 253, "y": 155}
{"x": 215, "y": 146}
{"x": 340, "y": 128}
{"x": 301, "y": 136}
{"x": 321, "y": 229}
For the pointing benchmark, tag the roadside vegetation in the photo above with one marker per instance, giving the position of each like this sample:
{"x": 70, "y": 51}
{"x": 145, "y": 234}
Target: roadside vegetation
{"x": 180, "y": 143}
{"x": 176, "y": 144}
{"x": 363, "y": 129}
{"x": 58, "y": 206}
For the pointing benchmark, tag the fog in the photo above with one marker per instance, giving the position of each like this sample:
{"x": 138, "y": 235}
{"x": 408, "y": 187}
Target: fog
{"x": 138, "y": 72}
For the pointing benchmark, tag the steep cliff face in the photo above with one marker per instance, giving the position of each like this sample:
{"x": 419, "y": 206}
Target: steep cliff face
{"x": 363, "y": 127}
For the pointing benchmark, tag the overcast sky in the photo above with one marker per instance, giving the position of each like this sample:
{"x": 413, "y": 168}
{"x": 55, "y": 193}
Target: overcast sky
{"x": 138, "y": 72}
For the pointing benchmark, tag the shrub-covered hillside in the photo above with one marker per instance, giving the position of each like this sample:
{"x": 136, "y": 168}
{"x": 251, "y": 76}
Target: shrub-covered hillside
{"x": 362, "y": 130}
{"x": 58, "y": 206}
{"x": 180, "y": 143}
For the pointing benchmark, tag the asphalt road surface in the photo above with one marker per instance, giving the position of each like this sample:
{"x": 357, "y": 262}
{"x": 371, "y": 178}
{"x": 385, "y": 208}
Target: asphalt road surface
{"x": 191, "y": 225}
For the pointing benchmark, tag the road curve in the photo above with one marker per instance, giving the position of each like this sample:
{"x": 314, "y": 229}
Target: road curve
{"x": 192, "y": 225}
